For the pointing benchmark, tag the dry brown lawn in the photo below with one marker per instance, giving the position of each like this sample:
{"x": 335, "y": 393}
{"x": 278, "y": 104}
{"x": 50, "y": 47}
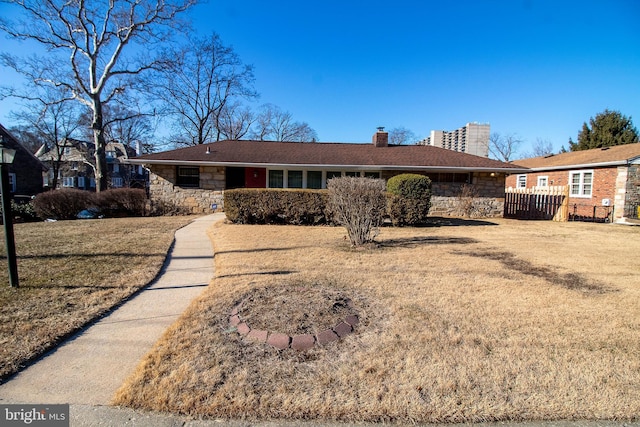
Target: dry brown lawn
{"x": 72, "y": 272}
{"x": 459, "y": 323}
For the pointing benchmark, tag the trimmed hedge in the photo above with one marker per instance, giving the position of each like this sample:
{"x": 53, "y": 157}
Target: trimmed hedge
{"x": 276, "y": 206}
{"x": 408, "y": 199}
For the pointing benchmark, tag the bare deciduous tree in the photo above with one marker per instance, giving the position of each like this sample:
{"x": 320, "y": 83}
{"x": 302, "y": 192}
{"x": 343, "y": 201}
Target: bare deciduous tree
{"x": 50, "y": 121}
{"x": 204, "y": 77}
{"x": 504, "y": 148}
{"x": 542, "y": 147}
{"x": 401, "y": 136}
{"x": 95, "y": 50}
{"x": 276, "y": 125}
{"x": 235, "y": 121}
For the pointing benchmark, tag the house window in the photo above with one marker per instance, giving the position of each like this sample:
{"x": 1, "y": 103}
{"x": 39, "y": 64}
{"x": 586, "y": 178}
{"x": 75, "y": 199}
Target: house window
{"x": 68, "y": 181}
{"x": 74, "y": 166}
{"x": 116, "y": 168}
{"x": 116, "y": 182}
{"x": 188, "y": 176}
{"x": 276, "y": 179}
{"x": 111, "y": 154}
{"x": 543, "y": 181}
{"x": 581, "y": 183}
{"x": 521, "y": 181}
{"x": 81, "y": 182}
{"x": 12, "y": 182}
{"x": 314, "y": 179}
{"x": 67, "y": 151}
{"x": 372, "y": 175}
{"x": 353, "y": 174}
{"x": 294, "y": 179}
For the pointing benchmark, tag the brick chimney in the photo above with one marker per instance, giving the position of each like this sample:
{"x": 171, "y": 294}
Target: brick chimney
{"x": 381, "y": 138}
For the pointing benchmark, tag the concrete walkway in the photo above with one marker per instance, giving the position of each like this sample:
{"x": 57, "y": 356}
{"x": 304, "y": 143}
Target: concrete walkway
{"x": 89, "y": 368}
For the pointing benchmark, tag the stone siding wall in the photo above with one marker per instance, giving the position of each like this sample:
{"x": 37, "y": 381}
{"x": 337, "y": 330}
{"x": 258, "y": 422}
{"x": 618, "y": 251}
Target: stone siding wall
{"x": 489, "y": 200}
{"x": 632, "y": 193}
{"x": 166, "y": 195}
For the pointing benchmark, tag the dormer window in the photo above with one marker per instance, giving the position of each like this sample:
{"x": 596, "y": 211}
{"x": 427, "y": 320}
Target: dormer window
{"x": 111, "y": 154}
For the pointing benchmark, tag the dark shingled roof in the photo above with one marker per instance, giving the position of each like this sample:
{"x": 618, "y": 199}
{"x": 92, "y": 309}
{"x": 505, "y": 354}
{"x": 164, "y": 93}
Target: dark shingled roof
{"x": 617, "y": 154}
{"x": 362, "y": 156}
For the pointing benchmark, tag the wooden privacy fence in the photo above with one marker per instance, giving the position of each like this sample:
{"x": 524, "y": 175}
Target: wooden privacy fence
{"x": 550, "y": 203}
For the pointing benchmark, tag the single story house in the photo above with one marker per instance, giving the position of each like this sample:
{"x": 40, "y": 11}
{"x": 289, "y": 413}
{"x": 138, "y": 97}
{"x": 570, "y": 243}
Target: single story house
{"x": 195, "y": 178}
{"x": 602, "y": 181}
{"x": 25, "y": 173}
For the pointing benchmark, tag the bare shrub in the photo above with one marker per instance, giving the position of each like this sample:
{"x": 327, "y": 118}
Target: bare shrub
{"x": 358, "y": 204}
{"x": 122, "y": 202}
{"x": 62, "y": 204}
{"x": 468, "y": 201}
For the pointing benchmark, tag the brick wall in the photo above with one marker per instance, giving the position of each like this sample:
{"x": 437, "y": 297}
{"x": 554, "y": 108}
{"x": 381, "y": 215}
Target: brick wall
{"x": 604, "y": 187}
{"x": 163, "y": 190}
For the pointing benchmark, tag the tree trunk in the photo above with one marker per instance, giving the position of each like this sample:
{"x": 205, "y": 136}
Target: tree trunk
{"x": 101, "y": 145}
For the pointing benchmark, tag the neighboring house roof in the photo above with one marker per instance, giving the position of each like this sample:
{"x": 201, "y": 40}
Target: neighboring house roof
{"x": 11, "y": 142}
{"x": 326, "y": 155}
{"x": 618, "y": 155}
{"x": 83, "y": 150}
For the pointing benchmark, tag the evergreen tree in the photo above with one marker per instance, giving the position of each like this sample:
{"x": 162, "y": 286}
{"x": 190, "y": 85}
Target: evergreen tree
{"x": 607, "y": 129}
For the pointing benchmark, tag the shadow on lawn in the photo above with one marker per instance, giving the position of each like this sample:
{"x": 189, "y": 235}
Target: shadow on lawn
{"x": 412, "y": 242}
{"x": 87, "y": 255}
{"x": 438, "y": 221}
{"x": 261, "y": 273}
{"x": 572, "y": 281}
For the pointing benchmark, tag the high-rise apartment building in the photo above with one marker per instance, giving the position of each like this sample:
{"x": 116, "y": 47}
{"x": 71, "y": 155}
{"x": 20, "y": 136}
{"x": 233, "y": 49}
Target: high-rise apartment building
{"x": 473, "y": 138}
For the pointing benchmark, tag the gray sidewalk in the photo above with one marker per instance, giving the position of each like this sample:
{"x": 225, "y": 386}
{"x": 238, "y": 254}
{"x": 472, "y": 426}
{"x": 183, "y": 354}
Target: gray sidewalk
{"x": 89, "y": 368}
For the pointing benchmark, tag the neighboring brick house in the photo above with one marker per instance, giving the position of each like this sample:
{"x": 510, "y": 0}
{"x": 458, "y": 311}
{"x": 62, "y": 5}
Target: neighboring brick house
{"x": 77, "y": 165}
{"x": 25, "y": 173}
{"x": 602, "y": 181}
{"x": 195, "y": 178}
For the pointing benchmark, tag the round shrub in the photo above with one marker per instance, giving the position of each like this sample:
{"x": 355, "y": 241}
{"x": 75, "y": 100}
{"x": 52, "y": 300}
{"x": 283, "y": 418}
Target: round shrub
{"x": 408, "y": 199}
{"x": 62, "y": 204}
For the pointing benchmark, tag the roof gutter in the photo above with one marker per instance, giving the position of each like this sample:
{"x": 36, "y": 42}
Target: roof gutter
{"x": 137, "y": 161}
{"x": 582, "y": 166}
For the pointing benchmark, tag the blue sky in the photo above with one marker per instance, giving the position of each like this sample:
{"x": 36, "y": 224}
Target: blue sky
{"x": 538, "y": 69}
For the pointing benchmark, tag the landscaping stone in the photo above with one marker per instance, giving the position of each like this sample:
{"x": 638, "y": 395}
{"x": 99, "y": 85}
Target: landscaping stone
{"x": 234, "y": 320}
{"x": 352, "y": 320}
{"x": 279, "y": 340}
{"x": 243, "y": 329}
{"x": 342, "y": 329}
{"x": 302, "y": 342}
{"x": 258, "y": 335}
{"x": 326, "y": 336}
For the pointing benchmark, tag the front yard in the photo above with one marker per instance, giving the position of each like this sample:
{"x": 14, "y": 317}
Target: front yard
{"x": 461, "y": 322}
{"x": 70, "y": 273}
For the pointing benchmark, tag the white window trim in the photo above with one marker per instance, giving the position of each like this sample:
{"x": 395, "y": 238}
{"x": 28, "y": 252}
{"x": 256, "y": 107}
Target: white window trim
{"x": 518, "y": 181}
{"x": 68, "y": 182}
{"x": 581, "y": 195}
{"x": 546, "y": 181}
{"x": 285, "y": 177}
